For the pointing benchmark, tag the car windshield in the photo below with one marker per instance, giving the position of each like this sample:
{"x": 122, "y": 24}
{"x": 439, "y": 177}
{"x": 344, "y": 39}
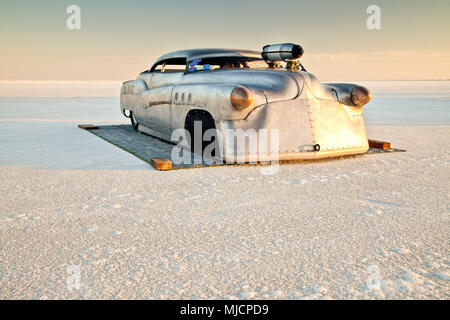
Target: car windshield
{"x": 226, "y": 63}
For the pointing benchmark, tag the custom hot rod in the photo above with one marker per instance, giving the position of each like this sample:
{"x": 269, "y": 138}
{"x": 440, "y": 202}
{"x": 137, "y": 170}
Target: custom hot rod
{"x": 228, "y": 89}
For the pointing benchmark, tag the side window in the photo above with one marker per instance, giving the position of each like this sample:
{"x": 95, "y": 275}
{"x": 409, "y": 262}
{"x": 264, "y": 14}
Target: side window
{"x": 170, "y": 65}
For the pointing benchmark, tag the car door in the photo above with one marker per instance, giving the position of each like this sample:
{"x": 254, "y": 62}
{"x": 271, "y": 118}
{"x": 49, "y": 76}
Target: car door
{"x": 159, "y": 97}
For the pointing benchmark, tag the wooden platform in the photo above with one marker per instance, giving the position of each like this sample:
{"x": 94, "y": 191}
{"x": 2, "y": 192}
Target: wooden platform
{"x": 88, "y": 126}
{"x": 157, "y": 152}
{"x": 161, "y": 164}
{"x": 379, "y": 144}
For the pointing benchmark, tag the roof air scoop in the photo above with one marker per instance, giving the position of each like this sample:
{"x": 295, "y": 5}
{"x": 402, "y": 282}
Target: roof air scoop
{"x": 287, "y": 52}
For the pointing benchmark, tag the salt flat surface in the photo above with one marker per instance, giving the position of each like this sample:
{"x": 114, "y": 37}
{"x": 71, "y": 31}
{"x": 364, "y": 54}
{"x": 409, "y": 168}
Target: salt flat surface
{"x": 30, "y": 88}
{"x": 43, "y": 132}
{"x": 311, "y": 231}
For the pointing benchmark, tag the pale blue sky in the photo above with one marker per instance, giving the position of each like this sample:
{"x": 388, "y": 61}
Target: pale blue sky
{"x": 120, "y": 38}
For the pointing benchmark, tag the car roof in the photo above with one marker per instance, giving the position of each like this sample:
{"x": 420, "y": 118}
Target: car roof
{"x": 208, "y": 53}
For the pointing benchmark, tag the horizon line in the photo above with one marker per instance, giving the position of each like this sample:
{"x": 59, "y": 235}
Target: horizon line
{"x": 100, "y": 80}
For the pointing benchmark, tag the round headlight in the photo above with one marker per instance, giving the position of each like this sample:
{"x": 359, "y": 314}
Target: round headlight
{"x": 360, "y": 95}
{"x": 241, "y": 98}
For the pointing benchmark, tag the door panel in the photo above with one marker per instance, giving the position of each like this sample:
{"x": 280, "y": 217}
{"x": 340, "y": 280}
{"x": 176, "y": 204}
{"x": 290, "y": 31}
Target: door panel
{"x": 160, "y": 100}
{"x": 156, "y": 109}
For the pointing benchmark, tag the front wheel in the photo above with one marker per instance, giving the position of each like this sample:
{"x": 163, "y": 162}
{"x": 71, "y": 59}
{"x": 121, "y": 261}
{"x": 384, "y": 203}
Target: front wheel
{"x": 206, "y": 122}
{"x": 134, "y": 122}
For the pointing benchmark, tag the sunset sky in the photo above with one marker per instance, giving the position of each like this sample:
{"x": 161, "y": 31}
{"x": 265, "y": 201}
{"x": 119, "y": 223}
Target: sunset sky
{"x": 118, "y": 39}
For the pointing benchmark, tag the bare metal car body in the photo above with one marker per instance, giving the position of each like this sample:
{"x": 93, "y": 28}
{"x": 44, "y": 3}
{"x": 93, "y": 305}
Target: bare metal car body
{"x": 314, "y": 120}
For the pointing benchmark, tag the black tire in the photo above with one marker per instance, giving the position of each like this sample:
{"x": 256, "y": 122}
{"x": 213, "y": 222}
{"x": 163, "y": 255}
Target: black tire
{"x": 207, "y": 122}
{"x": 134, "y": 123}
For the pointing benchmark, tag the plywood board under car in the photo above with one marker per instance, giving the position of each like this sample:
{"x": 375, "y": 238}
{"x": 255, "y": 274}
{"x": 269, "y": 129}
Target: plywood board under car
{"x": 157, "y": 152}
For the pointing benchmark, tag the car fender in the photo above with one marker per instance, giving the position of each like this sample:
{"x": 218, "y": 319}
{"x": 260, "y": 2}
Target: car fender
{"x": 213, "y": 98}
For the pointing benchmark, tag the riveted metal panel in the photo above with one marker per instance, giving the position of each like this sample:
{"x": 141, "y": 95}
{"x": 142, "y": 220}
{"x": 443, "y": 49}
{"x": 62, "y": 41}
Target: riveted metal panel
{"x": 289, "y": 118}
{"x": 335, "y": 126}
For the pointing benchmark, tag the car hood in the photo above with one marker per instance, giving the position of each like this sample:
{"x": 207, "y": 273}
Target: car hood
{"x": 275, "y": 84}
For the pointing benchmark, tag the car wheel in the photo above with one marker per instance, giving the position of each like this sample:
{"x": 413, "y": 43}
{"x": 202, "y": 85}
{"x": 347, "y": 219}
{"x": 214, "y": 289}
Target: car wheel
{"x": 207, "y": 123}
{"x": 134, "y": 122}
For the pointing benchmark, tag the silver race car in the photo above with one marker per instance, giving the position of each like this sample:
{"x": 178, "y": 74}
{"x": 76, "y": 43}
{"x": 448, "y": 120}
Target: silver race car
{"x": 229, "y": 90}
